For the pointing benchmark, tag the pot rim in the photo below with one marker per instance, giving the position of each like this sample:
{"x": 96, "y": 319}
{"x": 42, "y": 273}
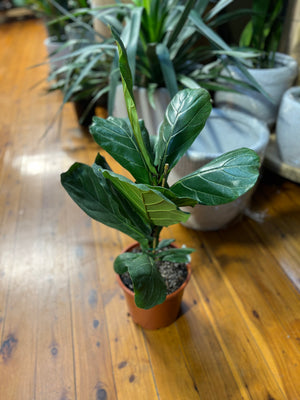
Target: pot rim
{"x": 294, "y": 93}
{"x": 260, "y": 128}
{"x": 169, "y": 296}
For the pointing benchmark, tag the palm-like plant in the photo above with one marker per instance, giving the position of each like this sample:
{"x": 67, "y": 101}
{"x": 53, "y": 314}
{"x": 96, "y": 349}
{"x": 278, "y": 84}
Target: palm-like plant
{"x": 173, "y": 44}
{"x": 170, "y": 43}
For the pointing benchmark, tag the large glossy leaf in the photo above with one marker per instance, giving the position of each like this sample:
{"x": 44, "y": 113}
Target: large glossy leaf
{"x": 222, "y": 180}
{"x": 116, "y": 137}
{"x": 149, "y": 286}
{"x": 102, "y": 202}
{"x": 151, "y": 204}
{"x": 184, "y": 119}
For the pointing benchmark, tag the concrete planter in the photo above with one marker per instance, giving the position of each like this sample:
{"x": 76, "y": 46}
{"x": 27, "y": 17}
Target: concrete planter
{"x": 224, "y": 131}
{"x": 152, "y": 117}
{"x": 55, "y": 51}
{"x": 288, "y": 127}
{"x": 275, "y": 81}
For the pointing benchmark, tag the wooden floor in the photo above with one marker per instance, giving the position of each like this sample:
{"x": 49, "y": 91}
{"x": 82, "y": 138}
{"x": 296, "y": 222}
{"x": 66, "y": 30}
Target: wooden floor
{"x": 65, "y": 332}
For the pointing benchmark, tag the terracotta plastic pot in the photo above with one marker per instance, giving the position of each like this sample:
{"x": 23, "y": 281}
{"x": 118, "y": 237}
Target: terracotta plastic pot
{"x": 161, "y": 315}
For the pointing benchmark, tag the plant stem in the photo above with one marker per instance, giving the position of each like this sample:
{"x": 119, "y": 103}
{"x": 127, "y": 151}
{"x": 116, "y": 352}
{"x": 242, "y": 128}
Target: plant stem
{"x": 164, "y": 180}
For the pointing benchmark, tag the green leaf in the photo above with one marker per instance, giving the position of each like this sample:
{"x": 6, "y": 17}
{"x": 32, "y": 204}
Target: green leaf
{"x": 129, "y": 100}
{"x": 205, "y": 30}
{"x": 149, "y": 203}
{"x": 130, "y": 36}
{"x": 221, "y": 4}
{"x": 116, "y": 137}
{"x": 179, "y": 201}
{"x": 122, "y": 262}
{"x": 99, "y": 199}
{"x": 181, "y": 22}
{"x": 184, "y": 119}
{"x": 164, "y": 243}
{"x": 167, "y": 68}
{"x": 180, "y": 255}
{"x": 246, "y": 35}
{"x": 222, "y": 180}
{"x": 149, "y": 286}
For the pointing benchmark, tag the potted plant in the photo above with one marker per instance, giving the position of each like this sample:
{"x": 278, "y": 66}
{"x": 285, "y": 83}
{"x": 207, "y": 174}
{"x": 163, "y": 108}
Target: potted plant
{"x": 174, "y": 45}
{"x": 274, "y": 71}
{"x": 57, "y": 16}
{"x": 84, "y": 77}
{"x": 141, "y": 207}
{"x": 171, "y": 45}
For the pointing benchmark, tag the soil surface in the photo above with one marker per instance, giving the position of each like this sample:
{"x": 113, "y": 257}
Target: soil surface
{"x": 174, "y": 275}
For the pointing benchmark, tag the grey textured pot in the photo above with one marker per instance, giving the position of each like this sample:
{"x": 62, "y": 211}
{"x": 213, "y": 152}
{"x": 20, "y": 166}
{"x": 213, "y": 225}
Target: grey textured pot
{"x": 288, "y": 127}
{"x": 55, "y": 51}
{"x": 224, "y": 131}
{"x": 275, "y": 82}
{"x": 152, "y": 117}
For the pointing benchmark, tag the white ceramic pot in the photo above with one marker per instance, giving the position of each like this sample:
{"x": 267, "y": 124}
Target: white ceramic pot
{"x": 225, "y": 130}
{"x": 275, "y": 82}
{"x": 79, "y": 34}
{"x": 288, "y": 127}
{"x": 55, "y": 51}
{"x": 152, "y": 117}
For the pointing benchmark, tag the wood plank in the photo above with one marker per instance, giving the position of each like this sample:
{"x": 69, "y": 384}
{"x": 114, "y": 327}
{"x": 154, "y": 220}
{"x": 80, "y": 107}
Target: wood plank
{"x": 262, "y": 300}
{"x": 131, "y": 367}
{"x": 92, "y": 354}
{"x": 243, "y": 355}
{"x": 278, "y": 228}
{"x": 65, "y": 332}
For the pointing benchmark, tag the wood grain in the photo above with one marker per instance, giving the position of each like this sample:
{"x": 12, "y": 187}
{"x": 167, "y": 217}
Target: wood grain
{"x": 64, "y": 328}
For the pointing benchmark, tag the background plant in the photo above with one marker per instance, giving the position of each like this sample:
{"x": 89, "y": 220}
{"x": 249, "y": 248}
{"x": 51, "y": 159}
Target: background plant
{"x": 52, "y": 11}
{"x": 263, "y": 31}
{"x": 172, "y": 44}
{"x": 141, "y": 207}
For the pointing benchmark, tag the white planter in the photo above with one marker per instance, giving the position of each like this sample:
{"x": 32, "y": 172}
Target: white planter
{"x": 79, "y": 34}
{"x": 152, "y": 117}
{"x": 55, "y": 52}
{"x": 224, "y": 131}
{"x": 288, "y": 127}
{"x": 275, "y": 82}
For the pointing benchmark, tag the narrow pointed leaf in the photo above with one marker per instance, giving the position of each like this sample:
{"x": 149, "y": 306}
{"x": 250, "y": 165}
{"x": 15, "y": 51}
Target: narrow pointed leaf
{"x": 129, "y": 100}
{"x": 184, "y": 119}
{"x": 222, "y": 180}
{"x": 167, "y": 68}
{"x": 182, "y": 20}
{"x": 130, "y": 36}
{"x": 149, "y": 203}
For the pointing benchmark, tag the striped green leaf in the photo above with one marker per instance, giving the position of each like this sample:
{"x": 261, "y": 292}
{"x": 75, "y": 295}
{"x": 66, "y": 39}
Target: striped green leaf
{"x": 222, "y": 180}
{"x": 151, "y": 204}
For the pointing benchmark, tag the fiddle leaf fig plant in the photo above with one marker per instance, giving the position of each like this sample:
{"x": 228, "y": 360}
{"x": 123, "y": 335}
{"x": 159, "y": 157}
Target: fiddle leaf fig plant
{"x": 140, "y": 207}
